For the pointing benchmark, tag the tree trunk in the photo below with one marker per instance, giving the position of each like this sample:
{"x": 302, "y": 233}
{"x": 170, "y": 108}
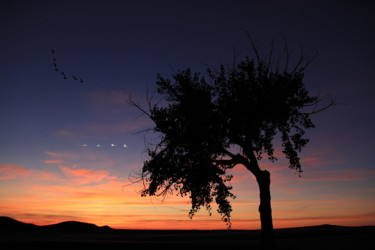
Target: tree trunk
{"x": 267, "y": 237}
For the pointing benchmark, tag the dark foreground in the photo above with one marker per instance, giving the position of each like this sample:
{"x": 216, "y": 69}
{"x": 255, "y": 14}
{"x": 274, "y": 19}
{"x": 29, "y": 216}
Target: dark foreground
{"x": 14, "y": 234}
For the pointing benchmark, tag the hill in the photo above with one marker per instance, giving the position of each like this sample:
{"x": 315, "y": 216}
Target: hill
{"x": 77, "y": 234}
{"x": 8, "y": 224}
{"x": 11, "y": 225}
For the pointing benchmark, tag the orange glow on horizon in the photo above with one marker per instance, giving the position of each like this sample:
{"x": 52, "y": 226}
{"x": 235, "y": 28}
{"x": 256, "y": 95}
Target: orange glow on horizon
{"x": 100, "y": 197}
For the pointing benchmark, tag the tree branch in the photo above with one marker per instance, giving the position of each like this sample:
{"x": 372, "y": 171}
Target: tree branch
{"x": 316, "y": 110}
{"x": 133, "y": 103}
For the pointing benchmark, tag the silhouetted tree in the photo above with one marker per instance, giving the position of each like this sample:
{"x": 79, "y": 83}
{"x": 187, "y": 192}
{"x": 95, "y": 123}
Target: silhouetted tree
{"x": 207, "y": 127}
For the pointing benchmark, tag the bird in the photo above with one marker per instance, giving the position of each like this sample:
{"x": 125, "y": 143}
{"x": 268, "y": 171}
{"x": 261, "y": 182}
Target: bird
{"x": 125, "y": 146}
{"x": 56, "y": 70}
{"x": 113, "y": 145}
{"x": 75, "y": 78}
{"x": 84, "y": 145}
{"x": 54, "y": 59}
{"x": 65, "y": 77}
{"x": 55, "y": 65}
{"x": 98, "y": 145}
{"x": 53, "y": 51}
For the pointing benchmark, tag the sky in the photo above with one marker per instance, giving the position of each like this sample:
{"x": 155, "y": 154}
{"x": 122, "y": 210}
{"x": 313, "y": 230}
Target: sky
{"x": 52, "y": 168}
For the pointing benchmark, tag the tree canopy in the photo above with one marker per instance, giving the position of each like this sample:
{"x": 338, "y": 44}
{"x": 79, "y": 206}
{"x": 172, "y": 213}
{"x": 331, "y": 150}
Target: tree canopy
{"x": 205, "y": 118}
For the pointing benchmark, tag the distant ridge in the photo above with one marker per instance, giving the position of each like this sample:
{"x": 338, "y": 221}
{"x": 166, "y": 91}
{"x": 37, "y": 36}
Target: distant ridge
{"x": 8, "y": 224}
{"x": 72, "y": 234}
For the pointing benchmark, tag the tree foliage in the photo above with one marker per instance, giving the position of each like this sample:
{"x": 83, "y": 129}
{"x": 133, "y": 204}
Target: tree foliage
{"x": 244, "y": 107}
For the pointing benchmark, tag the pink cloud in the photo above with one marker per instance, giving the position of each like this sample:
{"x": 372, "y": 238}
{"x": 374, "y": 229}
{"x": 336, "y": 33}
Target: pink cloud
{"x": 53, "y": 161}
{"x": 13, "y": 171}
{"x": 61, "y": 157}
{"x": 64, "y": 133}
{"x": 340, "y": 175}
{"x": 85, "y": 176}
{"x": 122, "y": 127}
{"x": 108, "y": 97}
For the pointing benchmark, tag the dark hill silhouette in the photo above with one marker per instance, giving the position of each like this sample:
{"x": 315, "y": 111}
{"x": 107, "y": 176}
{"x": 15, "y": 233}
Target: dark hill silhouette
{"x": 14, "y": 234}
{"x": 75, "y": 226}
{"x": 8, "y": 224}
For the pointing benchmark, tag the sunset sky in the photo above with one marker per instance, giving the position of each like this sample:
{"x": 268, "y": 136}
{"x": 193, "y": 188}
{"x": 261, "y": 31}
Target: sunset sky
{"x": 117, "y": 48}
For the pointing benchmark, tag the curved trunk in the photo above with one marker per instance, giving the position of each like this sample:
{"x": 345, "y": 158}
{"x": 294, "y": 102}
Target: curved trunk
{"x": 264, "y": 181}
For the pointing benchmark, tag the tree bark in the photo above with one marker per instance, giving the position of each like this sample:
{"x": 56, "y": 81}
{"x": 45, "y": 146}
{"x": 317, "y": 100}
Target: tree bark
{"x": 267, "y": 235}
{"x": 264, "y": 181}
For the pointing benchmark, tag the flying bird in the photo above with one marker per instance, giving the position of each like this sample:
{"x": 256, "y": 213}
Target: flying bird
{"x": 54, "y": 59}
{"x": 75, "y": 78}
{"x": 125, "y": 146}
{"x": 80, "y": 80}
{"x": 56, "y": 70}
{"x": 53, "y": 51}
{"x": 113, "y": 145}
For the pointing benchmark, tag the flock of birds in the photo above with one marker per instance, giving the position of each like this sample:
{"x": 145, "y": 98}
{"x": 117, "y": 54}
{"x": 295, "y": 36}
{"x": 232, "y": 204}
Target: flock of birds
{"x": 64, "y": 75}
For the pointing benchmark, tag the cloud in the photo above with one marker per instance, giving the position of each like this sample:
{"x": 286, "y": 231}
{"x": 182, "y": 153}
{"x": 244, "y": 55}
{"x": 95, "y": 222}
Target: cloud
{"x": 340, "y": 175}
{"x": 107, "y": 103}
{"x": 107, "y": 97}
{"x": 13, "y": 171}
{"x": 62, "y": 157}
{"x": 85, "y": 176}
{"x": 64, "y": 133}
{"x": 121, "y": 127}
{"x": 53, "y": 161}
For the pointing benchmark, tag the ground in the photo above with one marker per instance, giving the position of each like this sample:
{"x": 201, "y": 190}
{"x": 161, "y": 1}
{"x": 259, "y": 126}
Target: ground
{"x": 320, "y": 237}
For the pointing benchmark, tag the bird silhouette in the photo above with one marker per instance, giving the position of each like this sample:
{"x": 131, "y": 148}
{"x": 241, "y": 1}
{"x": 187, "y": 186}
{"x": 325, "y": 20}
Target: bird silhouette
{"x": 75, "y": 78}
{"x": 56, "y": 70}
{"x": 54, "y": 64}
{"x": 54, "y": 59}
{"x": 80, "y": 80}
{"x": 53, "y": 51}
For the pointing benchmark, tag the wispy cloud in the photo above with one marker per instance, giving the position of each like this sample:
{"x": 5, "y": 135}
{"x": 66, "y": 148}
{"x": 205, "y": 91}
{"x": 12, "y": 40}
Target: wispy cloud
{"x": 61, "y": 157}
{"x": 65, "y": 133}
{"x": 13, "y": 171}
{"x": 121, "y": 127}
{"x": 108, "y": 97}
{"x": 347, "y": 175}
{"x": 85, "y": 176}
{"x": 53, "y": 161}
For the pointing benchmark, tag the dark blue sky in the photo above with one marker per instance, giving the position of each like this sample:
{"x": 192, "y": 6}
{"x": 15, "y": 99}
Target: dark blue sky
{"x": 118, "y": 47}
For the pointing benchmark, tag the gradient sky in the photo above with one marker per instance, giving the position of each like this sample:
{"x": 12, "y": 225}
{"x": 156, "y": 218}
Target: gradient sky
{"x": 117, "y": 48}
